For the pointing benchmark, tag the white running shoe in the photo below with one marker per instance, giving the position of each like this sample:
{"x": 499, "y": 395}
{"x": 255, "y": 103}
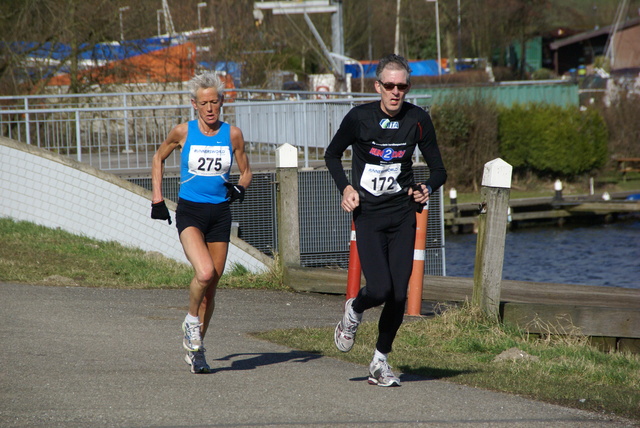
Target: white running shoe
{"x": 192, "y": 341}
{"x": 197, "y": 361}
{"x": 380, "y": 374}
{"x": 345, "y": 333}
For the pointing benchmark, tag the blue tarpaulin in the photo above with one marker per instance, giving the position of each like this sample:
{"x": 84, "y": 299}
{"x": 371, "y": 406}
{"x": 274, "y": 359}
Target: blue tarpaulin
{"x": 427, "y": 67}
{"x": 113, "y": 51}
{"x": 98, "y": 54}
{"x": 230, "y": 67}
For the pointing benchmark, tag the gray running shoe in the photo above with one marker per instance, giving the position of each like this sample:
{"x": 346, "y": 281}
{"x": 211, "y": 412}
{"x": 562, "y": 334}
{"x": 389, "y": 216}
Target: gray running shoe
{"x": 380, "y": 374}
{"x": 192, "y": 341}
{"x": 197, "y": 361}
{"x": 345, "y": 333}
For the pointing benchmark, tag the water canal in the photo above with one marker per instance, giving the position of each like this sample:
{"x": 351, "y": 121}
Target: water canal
{"x": 603, "y": 255}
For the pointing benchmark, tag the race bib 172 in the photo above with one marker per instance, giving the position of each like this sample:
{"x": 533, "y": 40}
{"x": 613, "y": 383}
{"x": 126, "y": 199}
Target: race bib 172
{"x": 381, "y": 179}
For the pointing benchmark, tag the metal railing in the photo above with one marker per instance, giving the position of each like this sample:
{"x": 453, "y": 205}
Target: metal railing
{"x": 120, "y": 132}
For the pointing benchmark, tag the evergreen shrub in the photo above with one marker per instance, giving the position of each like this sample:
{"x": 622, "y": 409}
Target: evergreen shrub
{"x": 552, "y": 140}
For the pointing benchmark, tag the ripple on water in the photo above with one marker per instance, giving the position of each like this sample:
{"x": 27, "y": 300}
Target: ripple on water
{"x": 606, "y": 255}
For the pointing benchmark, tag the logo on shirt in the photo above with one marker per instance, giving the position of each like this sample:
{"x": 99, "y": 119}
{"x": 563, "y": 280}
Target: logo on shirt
{"x": 387, "y": 154}
{"x": 388, "y": 124}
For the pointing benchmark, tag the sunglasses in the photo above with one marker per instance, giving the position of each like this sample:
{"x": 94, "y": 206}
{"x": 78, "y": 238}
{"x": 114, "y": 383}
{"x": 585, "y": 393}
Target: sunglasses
{"x": 389, "y": 86}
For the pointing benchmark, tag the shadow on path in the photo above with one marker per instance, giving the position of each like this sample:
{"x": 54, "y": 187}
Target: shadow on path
{"x": 252, "y": 361}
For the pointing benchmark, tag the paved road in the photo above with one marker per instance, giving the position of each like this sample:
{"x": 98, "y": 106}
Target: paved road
{"x": 83, "y": 357}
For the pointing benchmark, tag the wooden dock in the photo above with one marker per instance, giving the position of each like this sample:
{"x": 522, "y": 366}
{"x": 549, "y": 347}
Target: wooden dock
{"x": 462, "y": 218}
{"x": 610, "y": 315}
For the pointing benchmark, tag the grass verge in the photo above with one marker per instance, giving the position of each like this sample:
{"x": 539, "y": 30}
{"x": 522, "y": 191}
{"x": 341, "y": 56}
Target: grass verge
{"x": 39, "y": 255}
{"x": 461, "y": 346}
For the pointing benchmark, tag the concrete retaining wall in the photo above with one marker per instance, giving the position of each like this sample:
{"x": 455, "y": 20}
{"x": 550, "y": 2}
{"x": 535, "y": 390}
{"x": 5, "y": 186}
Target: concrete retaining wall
{"x": 42, "y": 187}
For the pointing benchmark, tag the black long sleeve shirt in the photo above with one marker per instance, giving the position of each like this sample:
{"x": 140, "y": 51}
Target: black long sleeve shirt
{"x": 383, "y": 149}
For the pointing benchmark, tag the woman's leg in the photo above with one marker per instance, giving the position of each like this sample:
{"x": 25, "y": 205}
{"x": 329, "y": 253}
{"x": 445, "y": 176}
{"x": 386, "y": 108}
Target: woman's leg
{"x": 218, "y": 252}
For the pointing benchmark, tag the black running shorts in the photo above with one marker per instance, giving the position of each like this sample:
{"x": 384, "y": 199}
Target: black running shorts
{"x": 213, "y": 220}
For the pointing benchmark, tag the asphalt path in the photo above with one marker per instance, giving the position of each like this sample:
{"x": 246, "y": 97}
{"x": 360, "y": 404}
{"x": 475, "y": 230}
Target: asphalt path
{"x": 93, "y": 357}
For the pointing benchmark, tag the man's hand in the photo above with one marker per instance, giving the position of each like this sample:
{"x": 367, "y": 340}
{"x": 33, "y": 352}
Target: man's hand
{"x": 159, "y": 211}
{"x": 420, "y": 193}
{"x": 235, "y": 192}
{"x": 350, "y": 199}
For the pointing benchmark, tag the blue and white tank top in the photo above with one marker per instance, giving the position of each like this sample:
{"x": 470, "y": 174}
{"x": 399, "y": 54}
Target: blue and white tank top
{"x": 205, "y": 164}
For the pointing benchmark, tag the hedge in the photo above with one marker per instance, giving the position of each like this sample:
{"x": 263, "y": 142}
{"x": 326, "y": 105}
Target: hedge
{"x": 542, "y": 139}
{"x": 552, "y": 140}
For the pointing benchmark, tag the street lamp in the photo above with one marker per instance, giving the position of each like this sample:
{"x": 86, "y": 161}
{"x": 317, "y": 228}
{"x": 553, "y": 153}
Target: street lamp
{"x": 200, "y": 6}
{"x": 122, "y": 9}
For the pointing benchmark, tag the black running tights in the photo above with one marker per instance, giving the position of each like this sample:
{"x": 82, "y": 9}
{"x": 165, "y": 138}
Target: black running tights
{"x": 385, "y": 246}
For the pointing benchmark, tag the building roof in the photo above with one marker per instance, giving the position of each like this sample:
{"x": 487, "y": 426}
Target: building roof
{"x": 577, "y": 38}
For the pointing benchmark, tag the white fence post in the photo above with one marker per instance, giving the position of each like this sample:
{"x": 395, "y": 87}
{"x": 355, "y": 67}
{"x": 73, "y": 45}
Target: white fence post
{"x": 78, "y": 136}
{"x": 287, "y": 205}
{"x": 492, "y": 230}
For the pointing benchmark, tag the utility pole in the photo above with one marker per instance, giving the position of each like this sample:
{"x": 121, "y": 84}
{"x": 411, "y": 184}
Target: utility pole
{"x": 437, "y": 36}
{"x": 459, "y": 38}
{"x": 396, "y": 47}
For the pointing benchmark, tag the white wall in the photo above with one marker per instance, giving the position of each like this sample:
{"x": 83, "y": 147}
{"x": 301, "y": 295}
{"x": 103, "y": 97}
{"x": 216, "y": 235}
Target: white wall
{"x": 39, "y": 186}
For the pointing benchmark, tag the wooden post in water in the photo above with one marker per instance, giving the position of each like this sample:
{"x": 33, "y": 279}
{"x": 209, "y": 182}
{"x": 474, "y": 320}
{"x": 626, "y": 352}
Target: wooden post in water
{"x": 287, "y": 205}
{"x": 492, "y": 230}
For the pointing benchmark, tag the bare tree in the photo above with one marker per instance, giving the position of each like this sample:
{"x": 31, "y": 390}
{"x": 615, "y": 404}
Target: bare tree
{"x": 278, "y": 43}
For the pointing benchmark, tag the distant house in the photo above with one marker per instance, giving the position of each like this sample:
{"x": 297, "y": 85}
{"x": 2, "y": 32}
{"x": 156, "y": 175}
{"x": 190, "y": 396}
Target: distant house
{"x": 582, "y": 49}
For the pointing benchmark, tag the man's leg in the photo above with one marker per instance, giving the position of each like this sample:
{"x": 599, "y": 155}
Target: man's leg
{"x": 401, "y": 246}
{"x": 372, "y": 248}
{"x": 400, "y": 238}
{"x": 374, "y": 253}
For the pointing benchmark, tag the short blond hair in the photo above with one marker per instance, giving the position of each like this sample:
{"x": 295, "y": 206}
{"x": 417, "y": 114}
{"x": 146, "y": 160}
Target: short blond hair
{"x": 205, "y": 80}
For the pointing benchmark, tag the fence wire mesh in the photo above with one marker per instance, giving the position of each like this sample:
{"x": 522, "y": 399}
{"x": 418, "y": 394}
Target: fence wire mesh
{"x": 325, "y": 229}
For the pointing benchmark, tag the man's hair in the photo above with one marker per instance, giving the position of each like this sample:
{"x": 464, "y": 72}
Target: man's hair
{"x": 205, "y": 80}
{"x": 394, "y": 62}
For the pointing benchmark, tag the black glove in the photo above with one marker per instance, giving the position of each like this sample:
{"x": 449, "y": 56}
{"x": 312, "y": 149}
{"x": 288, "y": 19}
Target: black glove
{"x": 418, "y": 188}
{"x": 235, "y": 192}
{"x": 159, "y": 211}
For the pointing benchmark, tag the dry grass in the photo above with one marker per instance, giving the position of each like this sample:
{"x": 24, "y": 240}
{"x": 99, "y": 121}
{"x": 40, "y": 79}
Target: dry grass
{"x": 461, "y": 345}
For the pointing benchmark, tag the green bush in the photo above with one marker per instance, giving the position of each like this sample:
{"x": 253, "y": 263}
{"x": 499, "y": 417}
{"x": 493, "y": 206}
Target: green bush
{"x": 552, "y": 140}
